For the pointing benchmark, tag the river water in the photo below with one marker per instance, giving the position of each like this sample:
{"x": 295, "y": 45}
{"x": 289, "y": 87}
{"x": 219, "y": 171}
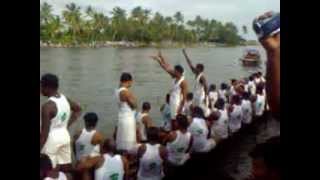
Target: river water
{"x": 90, "y": 77}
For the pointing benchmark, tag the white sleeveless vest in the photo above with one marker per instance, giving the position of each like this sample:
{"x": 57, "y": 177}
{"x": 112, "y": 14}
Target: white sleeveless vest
{"x": 84, "y": 146}
{"x": 199, "y": 132}
{"x": 246, "y": 111}
{"x": 142, "y": 127}
{"x": 111, "y": 169}
{"x": 150, "y": 167}
{"x": 220, "y": 127}
{"x": 177, "y": 149}
{"x": 260, "y": 105}
{"x": 175, "y": 97}
{"x": 235, "y": 119}
{"x": 199, "y": 93}
{"x": 126, "y": 128}
{"x": 58, "y": 132}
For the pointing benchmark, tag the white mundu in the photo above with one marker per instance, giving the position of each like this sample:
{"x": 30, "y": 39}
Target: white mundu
{"x": 199, "y": 93}
{"x": 111, "y": 169}
{"x": 260, "y": 105}
{"x": 235, "y": 119}
{"x": 142, "y": 127}
{"x": 58, "y": 144}
{"x": 175, "y": 97}
{"x": 84, "y": 146}
{"x": 150, "y": 166}
{"x": 246, "y": 111}
{"x": 177, "y": 154}
{"x": 61, "y": 176}
{"x": 126, "y": 127}
{"x": 220, "y": 127}
{"x": 199, "y": 131}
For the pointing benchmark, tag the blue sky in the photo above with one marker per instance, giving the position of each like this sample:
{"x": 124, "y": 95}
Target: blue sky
{"x": 241, "y": 12}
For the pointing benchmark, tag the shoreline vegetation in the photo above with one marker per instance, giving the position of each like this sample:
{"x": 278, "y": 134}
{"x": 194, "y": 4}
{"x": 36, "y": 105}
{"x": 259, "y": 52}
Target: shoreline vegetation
{"x": 126, "y": 44}
{"x": 87, "y": 27}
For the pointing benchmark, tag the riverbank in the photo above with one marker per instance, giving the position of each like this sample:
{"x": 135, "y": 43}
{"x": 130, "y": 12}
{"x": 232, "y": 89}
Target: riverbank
{"x": 127, "y": 44}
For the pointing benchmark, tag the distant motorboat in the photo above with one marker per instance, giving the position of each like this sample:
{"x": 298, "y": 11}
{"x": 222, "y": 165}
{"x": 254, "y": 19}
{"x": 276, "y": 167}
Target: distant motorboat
{"x": 251, "y": 57}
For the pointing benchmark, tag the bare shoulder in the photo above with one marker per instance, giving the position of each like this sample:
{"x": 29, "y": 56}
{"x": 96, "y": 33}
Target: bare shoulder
{"x": 77, "y": 134}
{"x": 97, "y": 138}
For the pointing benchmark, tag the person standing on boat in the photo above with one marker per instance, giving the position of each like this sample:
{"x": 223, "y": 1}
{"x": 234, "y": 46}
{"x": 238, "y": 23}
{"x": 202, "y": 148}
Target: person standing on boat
{"x": 200, "y": 90}
{"x": 165, "y": 112}
{"x": 57, "y": 115}
{"x": 87, "y": 142}
{"x": 178, "y": 94}
{"x": 151, "y": 157}
{"x": 144, "y": 121}
{"x": 125, "y": 132}
{"x": 213, "y": 97}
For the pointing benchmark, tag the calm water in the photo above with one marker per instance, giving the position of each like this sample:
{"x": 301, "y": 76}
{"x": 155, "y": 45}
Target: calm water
{"x": 90, "y": 76}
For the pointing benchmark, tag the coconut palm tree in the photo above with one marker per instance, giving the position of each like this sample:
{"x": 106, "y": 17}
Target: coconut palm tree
{"x": 72, "y": 17}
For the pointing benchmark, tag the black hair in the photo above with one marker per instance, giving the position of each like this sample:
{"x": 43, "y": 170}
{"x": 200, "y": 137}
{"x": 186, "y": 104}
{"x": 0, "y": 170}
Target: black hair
{"x": 90, "y": 119}
{"x": 190, "y": 96}
{"x": 197, "y": 112}
{"x": 260, "y": 88}
{"x": 45, "y": 165}
{"x": 200, "y": 67}
{"x": 50, "y": 81}
{"x": 214, "y": 116}
{"x": 153, "y": 134}
{"x": 109, "y": 146}
{"x": 125, "y": 77}
{"x": 182, "y": 121}
{"x": 223, "y": 86}
{"x": 146, "y": 106}
{"x": 220, "y": 103}
{"x": 246, "y": 95}
{"x": 168, "y": 98}
{"x": 233, "y": 81}
{"x": 269, "y": 151}
{"x": 251, "y": 78}
{"x": 179, "y": 68}
{"x": 236, "y": 99}
{"x": 212, "y": 87}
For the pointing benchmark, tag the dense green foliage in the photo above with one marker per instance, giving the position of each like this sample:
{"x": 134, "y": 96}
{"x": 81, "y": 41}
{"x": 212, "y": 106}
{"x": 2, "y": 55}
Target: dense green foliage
{"x": 75, "y": 26}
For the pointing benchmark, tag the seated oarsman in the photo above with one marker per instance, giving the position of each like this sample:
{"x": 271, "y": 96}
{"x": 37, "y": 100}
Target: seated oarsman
{"x": 199, "y": 130}
{"x": 178, "y": 145}
{"x": 108, "y": 166}
{"x": 151, "y": 157}
{"x": 87, "y": 141}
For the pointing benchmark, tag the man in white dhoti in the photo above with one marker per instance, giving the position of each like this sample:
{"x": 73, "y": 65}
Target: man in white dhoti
{"x": 125, "y": 133}
{"x": 200, "y": 91}
{"x": 179, "y": 90}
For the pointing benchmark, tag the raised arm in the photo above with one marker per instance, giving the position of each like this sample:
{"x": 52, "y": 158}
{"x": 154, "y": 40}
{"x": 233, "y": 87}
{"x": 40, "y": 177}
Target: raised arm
{"x": 164, "y": 64}
{"x": 193, "y": 69}
{"x": 76, "y": 112}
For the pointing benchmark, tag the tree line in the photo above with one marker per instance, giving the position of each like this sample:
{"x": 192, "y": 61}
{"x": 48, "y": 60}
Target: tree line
{"x": 74, "y": 26}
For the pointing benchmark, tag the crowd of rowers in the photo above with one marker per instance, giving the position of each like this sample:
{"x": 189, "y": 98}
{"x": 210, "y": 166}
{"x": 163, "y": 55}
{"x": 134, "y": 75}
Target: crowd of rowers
{"x": 193, "y": 122}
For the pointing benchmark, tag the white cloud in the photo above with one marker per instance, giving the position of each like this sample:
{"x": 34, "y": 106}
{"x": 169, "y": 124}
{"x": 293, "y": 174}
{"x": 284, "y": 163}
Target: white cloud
{"x": 241, "y": 12}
